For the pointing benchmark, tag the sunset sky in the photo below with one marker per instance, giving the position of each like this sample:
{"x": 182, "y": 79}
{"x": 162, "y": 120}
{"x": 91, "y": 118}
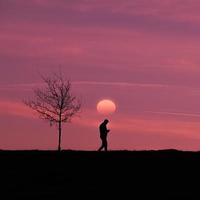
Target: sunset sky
{"x": 142, "y": 54}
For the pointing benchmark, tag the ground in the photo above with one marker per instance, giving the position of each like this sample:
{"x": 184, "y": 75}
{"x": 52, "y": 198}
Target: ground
{"x": 52, "y": 175}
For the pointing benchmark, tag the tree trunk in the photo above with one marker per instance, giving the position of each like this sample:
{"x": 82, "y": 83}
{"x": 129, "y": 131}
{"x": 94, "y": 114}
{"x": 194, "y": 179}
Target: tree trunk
{"x": 59, "y": 132}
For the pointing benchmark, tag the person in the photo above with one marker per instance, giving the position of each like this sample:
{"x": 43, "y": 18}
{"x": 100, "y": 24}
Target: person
{"x": 103, "y": 135}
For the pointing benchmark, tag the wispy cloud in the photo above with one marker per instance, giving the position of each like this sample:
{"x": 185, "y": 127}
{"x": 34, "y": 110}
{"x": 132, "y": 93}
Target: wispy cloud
{"x": 29, "y": 86}
{"x": 180, "y": 114}
{"x": 143, "y": 123}
{"x": 121, "y": 84}
{"x": 14, "y": 108}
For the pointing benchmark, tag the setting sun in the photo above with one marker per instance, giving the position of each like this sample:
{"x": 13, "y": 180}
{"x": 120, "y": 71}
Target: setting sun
{"x": 106, "y": 106}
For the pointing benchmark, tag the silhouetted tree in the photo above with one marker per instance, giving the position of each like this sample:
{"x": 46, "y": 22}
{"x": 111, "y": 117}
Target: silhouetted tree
{"x": 54, "y": 102}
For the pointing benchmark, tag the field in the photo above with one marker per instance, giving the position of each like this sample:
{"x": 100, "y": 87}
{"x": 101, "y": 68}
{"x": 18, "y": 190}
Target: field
{"x": 127, "y": 174}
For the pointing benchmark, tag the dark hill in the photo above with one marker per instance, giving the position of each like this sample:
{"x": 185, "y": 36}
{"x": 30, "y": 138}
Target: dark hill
{"x": 49, "y": 174}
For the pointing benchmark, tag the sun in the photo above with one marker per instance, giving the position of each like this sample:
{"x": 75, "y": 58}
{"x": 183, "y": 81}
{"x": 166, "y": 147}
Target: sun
{"x": 106, "y": 106}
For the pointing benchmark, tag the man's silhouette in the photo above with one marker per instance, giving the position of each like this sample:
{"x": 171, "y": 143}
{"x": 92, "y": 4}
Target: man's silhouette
{"x": 103, "y": 134}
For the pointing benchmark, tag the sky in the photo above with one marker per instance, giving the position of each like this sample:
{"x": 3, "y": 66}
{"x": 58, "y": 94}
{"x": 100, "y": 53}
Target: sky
{"x": 142, "y": 54}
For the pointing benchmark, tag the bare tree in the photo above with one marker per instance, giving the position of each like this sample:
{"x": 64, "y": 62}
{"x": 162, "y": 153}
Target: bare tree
{"x": 54, "y": 102}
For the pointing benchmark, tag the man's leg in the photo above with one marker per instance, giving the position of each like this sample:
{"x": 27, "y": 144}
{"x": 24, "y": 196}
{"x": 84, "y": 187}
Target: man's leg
{"x": 106, "y": 145}
{"x": 102, "y": 145}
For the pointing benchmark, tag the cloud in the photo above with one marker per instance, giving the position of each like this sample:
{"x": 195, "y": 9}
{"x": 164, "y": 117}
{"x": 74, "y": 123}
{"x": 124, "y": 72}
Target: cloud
{"x": 145, "y": 123}
{"x": 13, "y": 108}
{"x": 175, "y": 9}
{"x": 121, "y": 84}
{"x": 160, "y": 15}
{"x": 178, "y": 114}
{"x": 29, "y": 86}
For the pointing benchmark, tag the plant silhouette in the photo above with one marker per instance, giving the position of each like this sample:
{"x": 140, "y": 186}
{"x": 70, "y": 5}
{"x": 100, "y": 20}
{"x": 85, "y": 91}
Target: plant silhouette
{"x": 54, "y": 102}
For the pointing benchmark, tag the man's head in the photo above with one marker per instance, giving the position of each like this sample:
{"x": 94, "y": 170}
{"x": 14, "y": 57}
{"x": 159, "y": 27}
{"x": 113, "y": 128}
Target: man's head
{"x": 106, "y": 121}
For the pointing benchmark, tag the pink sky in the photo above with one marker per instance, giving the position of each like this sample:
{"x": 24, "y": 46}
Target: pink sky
{"x": 142, "y": 54}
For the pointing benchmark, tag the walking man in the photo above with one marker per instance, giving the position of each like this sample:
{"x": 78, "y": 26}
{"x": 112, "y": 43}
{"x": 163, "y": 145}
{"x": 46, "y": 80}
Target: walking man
{"x": 103, "y": 135}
